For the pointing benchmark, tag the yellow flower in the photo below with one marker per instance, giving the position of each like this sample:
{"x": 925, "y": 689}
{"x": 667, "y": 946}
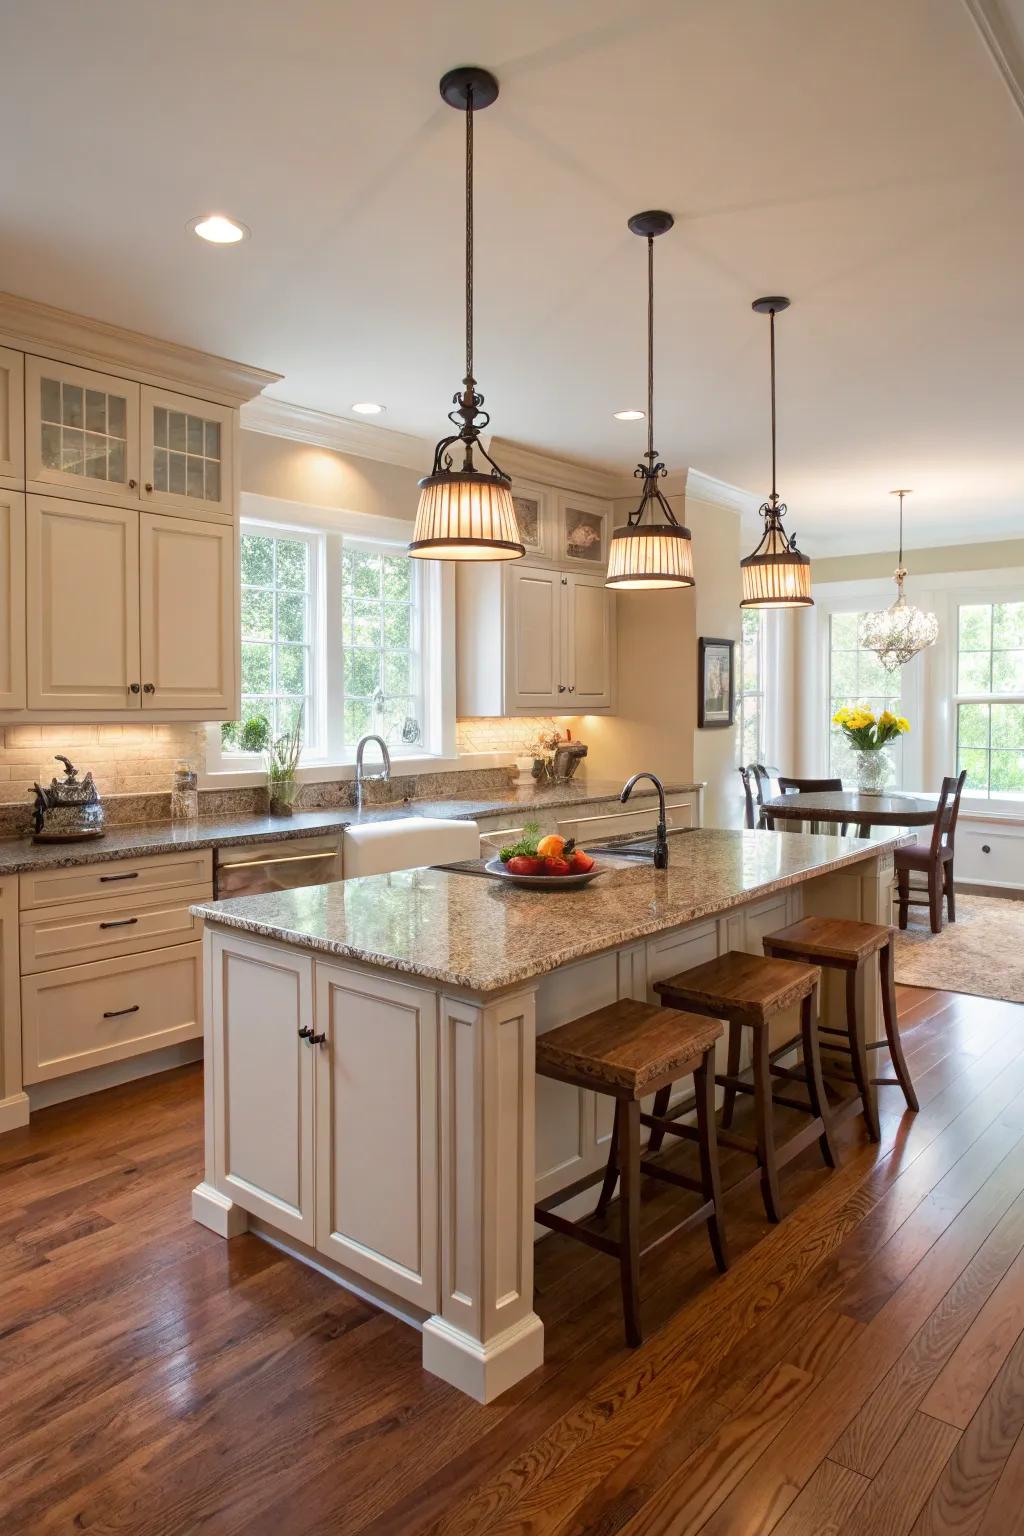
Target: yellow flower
{"x": 902, "y": 725}
{"x": 887, "y": 718}
{"x": 841, "y": 717}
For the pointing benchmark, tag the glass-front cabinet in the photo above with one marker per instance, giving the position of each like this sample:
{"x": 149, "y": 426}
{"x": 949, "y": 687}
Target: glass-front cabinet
{"x": 81, "y": 430}
{"x": 186, "y": 453}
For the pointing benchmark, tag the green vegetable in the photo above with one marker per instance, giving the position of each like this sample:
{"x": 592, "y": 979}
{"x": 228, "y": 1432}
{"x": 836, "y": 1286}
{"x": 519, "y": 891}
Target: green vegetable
{"x": 527, "y": 845}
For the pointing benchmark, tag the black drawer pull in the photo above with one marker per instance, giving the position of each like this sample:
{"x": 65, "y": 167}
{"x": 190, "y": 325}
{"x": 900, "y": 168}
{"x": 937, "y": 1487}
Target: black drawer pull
{"x": 106, "y": 879}
{"x": 305, "y": 1033}
{"x": 121, "y": 922}
{"x": 318, "y": 1039}
{"x": 117, "y": 1013}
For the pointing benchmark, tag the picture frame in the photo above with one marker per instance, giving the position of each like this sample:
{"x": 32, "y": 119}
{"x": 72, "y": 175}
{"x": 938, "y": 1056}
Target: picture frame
{"x": 584, "y": 525}
{"x": 716, "y": 683}
{"x": 534, "y": 516}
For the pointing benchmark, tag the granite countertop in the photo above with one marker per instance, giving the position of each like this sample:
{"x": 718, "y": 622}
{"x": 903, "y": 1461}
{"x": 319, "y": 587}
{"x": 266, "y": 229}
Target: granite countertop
{"x": 479, "y": 933}
{"x": 19, "y": 854}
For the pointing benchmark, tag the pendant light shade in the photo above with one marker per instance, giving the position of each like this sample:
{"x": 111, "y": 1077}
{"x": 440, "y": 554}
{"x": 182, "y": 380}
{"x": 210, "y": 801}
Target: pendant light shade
{"x": 648, "y": 556}
{"x": 776, "y": 575}
{"x": 901, "y": 630}
{"x": 466, "y": 513}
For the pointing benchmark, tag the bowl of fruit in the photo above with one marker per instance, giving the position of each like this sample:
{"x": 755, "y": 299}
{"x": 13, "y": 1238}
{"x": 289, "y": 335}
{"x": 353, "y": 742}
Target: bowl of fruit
{"x": 544, "y": 862}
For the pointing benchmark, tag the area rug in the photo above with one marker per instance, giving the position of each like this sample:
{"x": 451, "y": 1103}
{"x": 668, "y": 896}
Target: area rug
{"x": 981, "y": 953}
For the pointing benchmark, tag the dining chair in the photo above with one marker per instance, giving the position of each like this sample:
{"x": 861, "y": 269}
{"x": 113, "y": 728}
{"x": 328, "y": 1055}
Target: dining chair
{"x": 789, "y": 786}
{"x": 934, "y": 860}
{"x": 763, "y": 791}
{"x": 749, "y": 819}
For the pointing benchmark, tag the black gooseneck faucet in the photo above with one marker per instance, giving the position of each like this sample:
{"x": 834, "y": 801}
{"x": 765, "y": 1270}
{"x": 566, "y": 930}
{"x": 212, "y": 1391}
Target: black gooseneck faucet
{"x": 661, "y": 833}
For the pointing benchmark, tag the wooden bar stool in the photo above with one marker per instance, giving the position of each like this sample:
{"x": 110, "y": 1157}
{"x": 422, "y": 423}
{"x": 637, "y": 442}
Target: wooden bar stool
{"x": 749, "y": 992}
{"x": 845, "y": 945}
{"x": 629, "y": 1050}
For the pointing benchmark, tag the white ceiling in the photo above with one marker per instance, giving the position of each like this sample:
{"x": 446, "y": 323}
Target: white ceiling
{"x": 864, "y": 157}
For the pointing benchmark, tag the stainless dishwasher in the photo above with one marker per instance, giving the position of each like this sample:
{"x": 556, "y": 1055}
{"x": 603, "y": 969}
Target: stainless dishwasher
{"x": 261, "y": 868}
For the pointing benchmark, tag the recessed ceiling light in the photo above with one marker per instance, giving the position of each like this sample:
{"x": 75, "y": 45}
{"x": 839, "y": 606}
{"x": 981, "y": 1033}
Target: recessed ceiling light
{"x": 367, "y": 408}
{"x": 218, "y": 229}
{"x": 628, "y": 415}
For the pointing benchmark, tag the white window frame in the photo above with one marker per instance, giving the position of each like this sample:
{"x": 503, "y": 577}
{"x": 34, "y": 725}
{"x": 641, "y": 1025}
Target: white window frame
{"x": 328, "y": 528}
{"x": 967, "y": 598}
{"x": 765, "y": 632}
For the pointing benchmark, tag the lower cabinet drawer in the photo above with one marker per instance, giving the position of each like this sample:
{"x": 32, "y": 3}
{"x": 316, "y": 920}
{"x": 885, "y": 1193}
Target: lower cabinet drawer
{"x": 640, "y": 822}
{"x": 85, "y": 1015}
{"x": 76, "y": 934}
{"x": 988, "y": 855}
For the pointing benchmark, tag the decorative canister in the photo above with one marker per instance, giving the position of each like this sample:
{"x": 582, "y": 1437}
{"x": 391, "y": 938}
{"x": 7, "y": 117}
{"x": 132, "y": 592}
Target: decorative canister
{"x": 184, "y": 792}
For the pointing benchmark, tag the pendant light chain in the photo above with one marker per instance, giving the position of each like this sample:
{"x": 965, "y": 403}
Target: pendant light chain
{"x": 650, "y": 348}
{"x": 775, "y": 494}
{"x": 469, "y": 237}
{"x": 900, "y": 557}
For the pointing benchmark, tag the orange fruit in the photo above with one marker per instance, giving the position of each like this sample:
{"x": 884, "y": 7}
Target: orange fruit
{"x": 550, "y": 847}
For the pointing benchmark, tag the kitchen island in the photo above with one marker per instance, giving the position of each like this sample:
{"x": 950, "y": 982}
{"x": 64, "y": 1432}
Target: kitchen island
{"x": 371, "y": 1103}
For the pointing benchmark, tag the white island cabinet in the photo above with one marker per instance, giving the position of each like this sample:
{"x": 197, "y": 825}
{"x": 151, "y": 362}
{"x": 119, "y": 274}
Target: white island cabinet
{"x": 371, "y": 1099}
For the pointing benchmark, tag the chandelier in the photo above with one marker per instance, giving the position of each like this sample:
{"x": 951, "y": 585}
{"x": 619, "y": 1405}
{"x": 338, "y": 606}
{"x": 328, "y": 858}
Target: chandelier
{"x": 900, "y": 631}
{"x": 466, "y": 513}
{"x": 776, "y": 575}
{"x": 659, "y": 554}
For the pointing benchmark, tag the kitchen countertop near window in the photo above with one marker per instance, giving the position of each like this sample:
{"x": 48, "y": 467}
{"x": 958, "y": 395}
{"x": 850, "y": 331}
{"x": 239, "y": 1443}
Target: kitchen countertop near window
{"x": 20, "y": 855}
{"x": 482, "y": 934}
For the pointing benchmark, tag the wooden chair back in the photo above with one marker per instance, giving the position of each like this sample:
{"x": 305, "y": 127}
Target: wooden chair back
{"x": 944, "y": 830}
{"x": 749, "y": 819}
{"x": 807, "y": 786}
{"x": 763, "y": 782}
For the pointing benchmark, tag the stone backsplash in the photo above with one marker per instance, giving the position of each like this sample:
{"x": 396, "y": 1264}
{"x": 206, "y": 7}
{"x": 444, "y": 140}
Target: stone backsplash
{"x": 516, "y": 734}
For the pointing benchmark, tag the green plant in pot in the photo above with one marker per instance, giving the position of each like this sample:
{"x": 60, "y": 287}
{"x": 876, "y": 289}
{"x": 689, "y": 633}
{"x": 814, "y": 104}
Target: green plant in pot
{"x": 281, "y": 755}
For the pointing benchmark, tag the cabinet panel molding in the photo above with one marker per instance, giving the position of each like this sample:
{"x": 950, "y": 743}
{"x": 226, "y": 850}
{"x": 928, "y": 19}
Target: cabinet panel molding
{"x": 81, "y": 431}
{"x": 12, "y": 418}
{"x": 187, "y": 609}
{"x": 12, "y": 601}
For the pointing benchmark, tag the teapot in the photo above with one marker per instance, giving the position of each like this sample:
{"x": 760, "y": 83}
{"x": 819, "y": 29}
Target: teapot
{"x": 69, "y": 809}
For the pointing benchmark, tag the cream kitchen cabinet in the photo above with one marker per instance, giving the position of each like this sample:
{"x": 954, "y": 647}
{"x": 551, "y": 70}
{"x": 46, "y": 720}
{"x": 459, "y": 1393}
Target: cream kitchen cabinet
{"x": 14, "y": 1106}
{"x": 12, "y": 418}
{"x": 12, "y": 600}
{"x": 128, "y": 610}
{"x": 81, "y": 431}
{"x": 532, "y": 639}
{"x": 187, "y": 455}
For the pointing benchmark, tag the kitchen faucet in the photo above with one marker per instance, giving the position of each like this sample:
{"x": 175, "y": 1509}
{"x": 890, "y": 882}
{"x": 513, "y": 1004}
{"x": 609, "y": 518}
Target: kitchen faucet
{"x": 385, "y": 774}
{"x": 661, "y": 832}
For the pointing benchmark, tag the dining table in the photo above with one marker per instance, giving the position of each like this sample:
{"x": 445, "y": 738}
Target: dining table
{"x": 851, "y": 807}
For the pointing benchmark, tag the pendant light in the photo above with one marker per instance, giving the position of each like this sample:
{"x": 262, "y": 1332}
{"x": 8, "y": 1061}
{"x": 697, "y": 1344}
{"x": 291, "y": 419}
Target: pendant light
{"x": 466, "y": 513}
{"x": 656, "y": 554}
{"x": 900, "y": 631}
{"x": 776, "y": 575}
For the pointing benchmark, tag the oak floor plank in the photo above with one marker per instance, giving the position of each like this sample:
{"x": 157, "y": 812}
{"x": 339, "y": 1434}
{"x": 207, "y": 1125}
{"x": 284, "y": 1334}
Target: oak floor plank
{"x": 823, "y": 1505}
{"x": 1004, "y": 1513}
{"x": 904, "y": 1480}
{"x": 959, "y": 1388}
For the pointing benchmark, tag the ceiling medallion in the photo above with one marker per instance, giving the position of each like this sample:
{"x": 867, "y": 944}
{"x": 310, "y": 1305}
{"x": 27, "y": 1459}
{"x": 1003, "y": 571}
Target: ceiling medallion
{"x": 657, "y": 554}
{"x": 901, "y": 630}
{"x": 466, "y": 513}
{"x": 776, "y": 575}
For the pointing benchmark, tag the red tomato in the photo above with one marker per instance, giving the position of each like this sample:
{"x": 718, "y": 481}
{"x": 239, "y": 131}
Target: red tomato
{"x": 520, "y": 864}
{"x": 557, "y": 867}
{"x": 581, "y": 862}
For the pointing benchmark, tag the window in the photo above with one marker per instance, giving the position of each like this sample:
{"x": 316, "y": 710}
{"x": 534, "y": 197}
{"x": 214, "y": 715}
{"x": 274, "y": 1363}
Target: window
{"x": 750, "y": 687}
{"x": 856, "y": 676}
{"x": 334, "y": 626}
{"x": 990, "y": 697}
{"x": 380, "y": 630}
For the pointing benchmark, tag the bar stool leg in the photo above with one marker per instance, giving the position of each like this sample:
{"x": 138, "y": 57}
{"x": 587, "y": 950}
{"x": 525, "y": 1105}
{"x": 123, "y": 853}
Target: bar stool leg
{"x": 660, "y": 1109}
{"x": 903, "y": 892}
{"x": 611, "y": 1172}
{"x": 733, "y": 1070}
{"x": 704, "y": 1085}
{"x": 629, "y": 1216}
{"x": 765, "y": 1129}
{"x": 892, "y": 1029}
{"x": 859, "y": 1057}
{"x": 815, "y": 1084}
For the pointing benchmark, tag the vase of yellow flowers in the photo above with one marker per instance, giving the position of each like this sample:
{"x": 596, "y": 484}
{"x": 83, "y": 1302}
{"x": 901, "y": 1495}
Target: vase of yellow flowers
{"x": 868, "y": 737}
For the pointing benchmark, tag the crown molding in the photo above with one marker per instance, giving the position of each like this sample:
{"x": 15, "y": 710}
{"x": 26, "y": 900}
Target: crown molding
{"x": 303, "y": 424}
{"x": 719, "y": 493}
{"x": 997, "y": 35}
{"x": 57, "y": 333}
{"x": 524, "y": 463}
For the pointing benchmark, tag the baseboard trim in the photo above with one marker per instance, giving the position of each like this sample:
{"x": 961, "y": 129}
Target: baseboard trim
{"x": 14, "y": 1112}
{"x": 1005, "y": 892}
{"x": 58, "y": 1090}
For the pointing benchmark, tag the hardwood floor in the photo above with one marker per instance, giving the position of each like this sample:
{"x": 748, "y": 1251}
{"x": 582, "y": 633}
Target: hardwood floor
{"x": 858, "y": 1372}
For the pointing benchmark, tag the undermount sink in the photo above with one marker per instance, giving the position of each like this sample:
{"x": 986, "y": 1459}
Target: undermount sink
{"x": 381, "y": 847}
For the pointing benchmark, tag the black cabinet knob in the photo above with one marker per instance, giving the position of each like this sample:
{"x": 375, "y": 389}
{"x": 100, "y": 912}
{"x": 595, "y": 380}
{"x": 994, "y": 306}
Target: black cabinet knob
{"x": 318, "y": 1039}
{"x": 985, "y": 848}
{"x": 133, "y": 687}
{"x": 305, "y": 1033}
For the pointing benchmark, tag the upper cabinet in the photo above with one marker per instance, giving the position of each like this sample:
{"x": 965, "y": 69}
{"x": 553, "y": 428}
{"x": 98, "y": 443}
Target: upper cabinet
{"x": 186, "y": 454}
{"x": 533, "y": 640}
{"x": 81, "y": 431}
{"x": 12, "y": 600}
{"x": 12, "y": 418}
{"x": 187, "y": 613}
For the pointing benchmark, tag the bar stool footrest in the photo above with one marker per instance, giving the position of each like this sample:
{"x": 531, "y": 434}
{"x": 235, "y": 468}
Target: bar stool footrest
{"x": 669, "y": 1175}
{"x": 573, "y": 1229}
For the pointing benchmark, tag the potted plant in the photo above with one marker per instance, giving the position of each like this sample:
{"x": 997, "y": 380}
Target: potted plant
{"x": 868, "y": 736}
{"x": 281, "y": 755}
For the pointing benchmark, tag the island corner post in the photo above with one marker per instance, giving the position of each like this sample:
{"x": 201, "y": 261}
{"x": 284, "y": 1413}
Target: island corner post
{"x": 388, "y": 1127}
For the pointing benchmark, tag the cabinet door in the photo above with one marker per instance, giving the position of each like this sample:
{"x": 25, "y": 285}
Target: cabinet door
{"x": 186, "y": 585}
{"x": 376, "y": 1130}
{"x": 263, "y": 1070}
{"x": 82, "y": 599}
{"x": 589, "y": 642}
{"x": 186, "y": 454}
{"x": 12, "y": 418}
{"x": 81, "y": 430}
{"x": 533, "y": 640}
{"x": 12, "y": 600}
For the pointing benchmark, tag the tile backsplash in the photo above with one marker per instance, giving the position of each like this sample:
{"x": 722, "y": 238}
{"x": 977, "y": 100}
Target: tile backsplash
{"x": 516, "y": 734}
{"x": 125, "y": 759}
